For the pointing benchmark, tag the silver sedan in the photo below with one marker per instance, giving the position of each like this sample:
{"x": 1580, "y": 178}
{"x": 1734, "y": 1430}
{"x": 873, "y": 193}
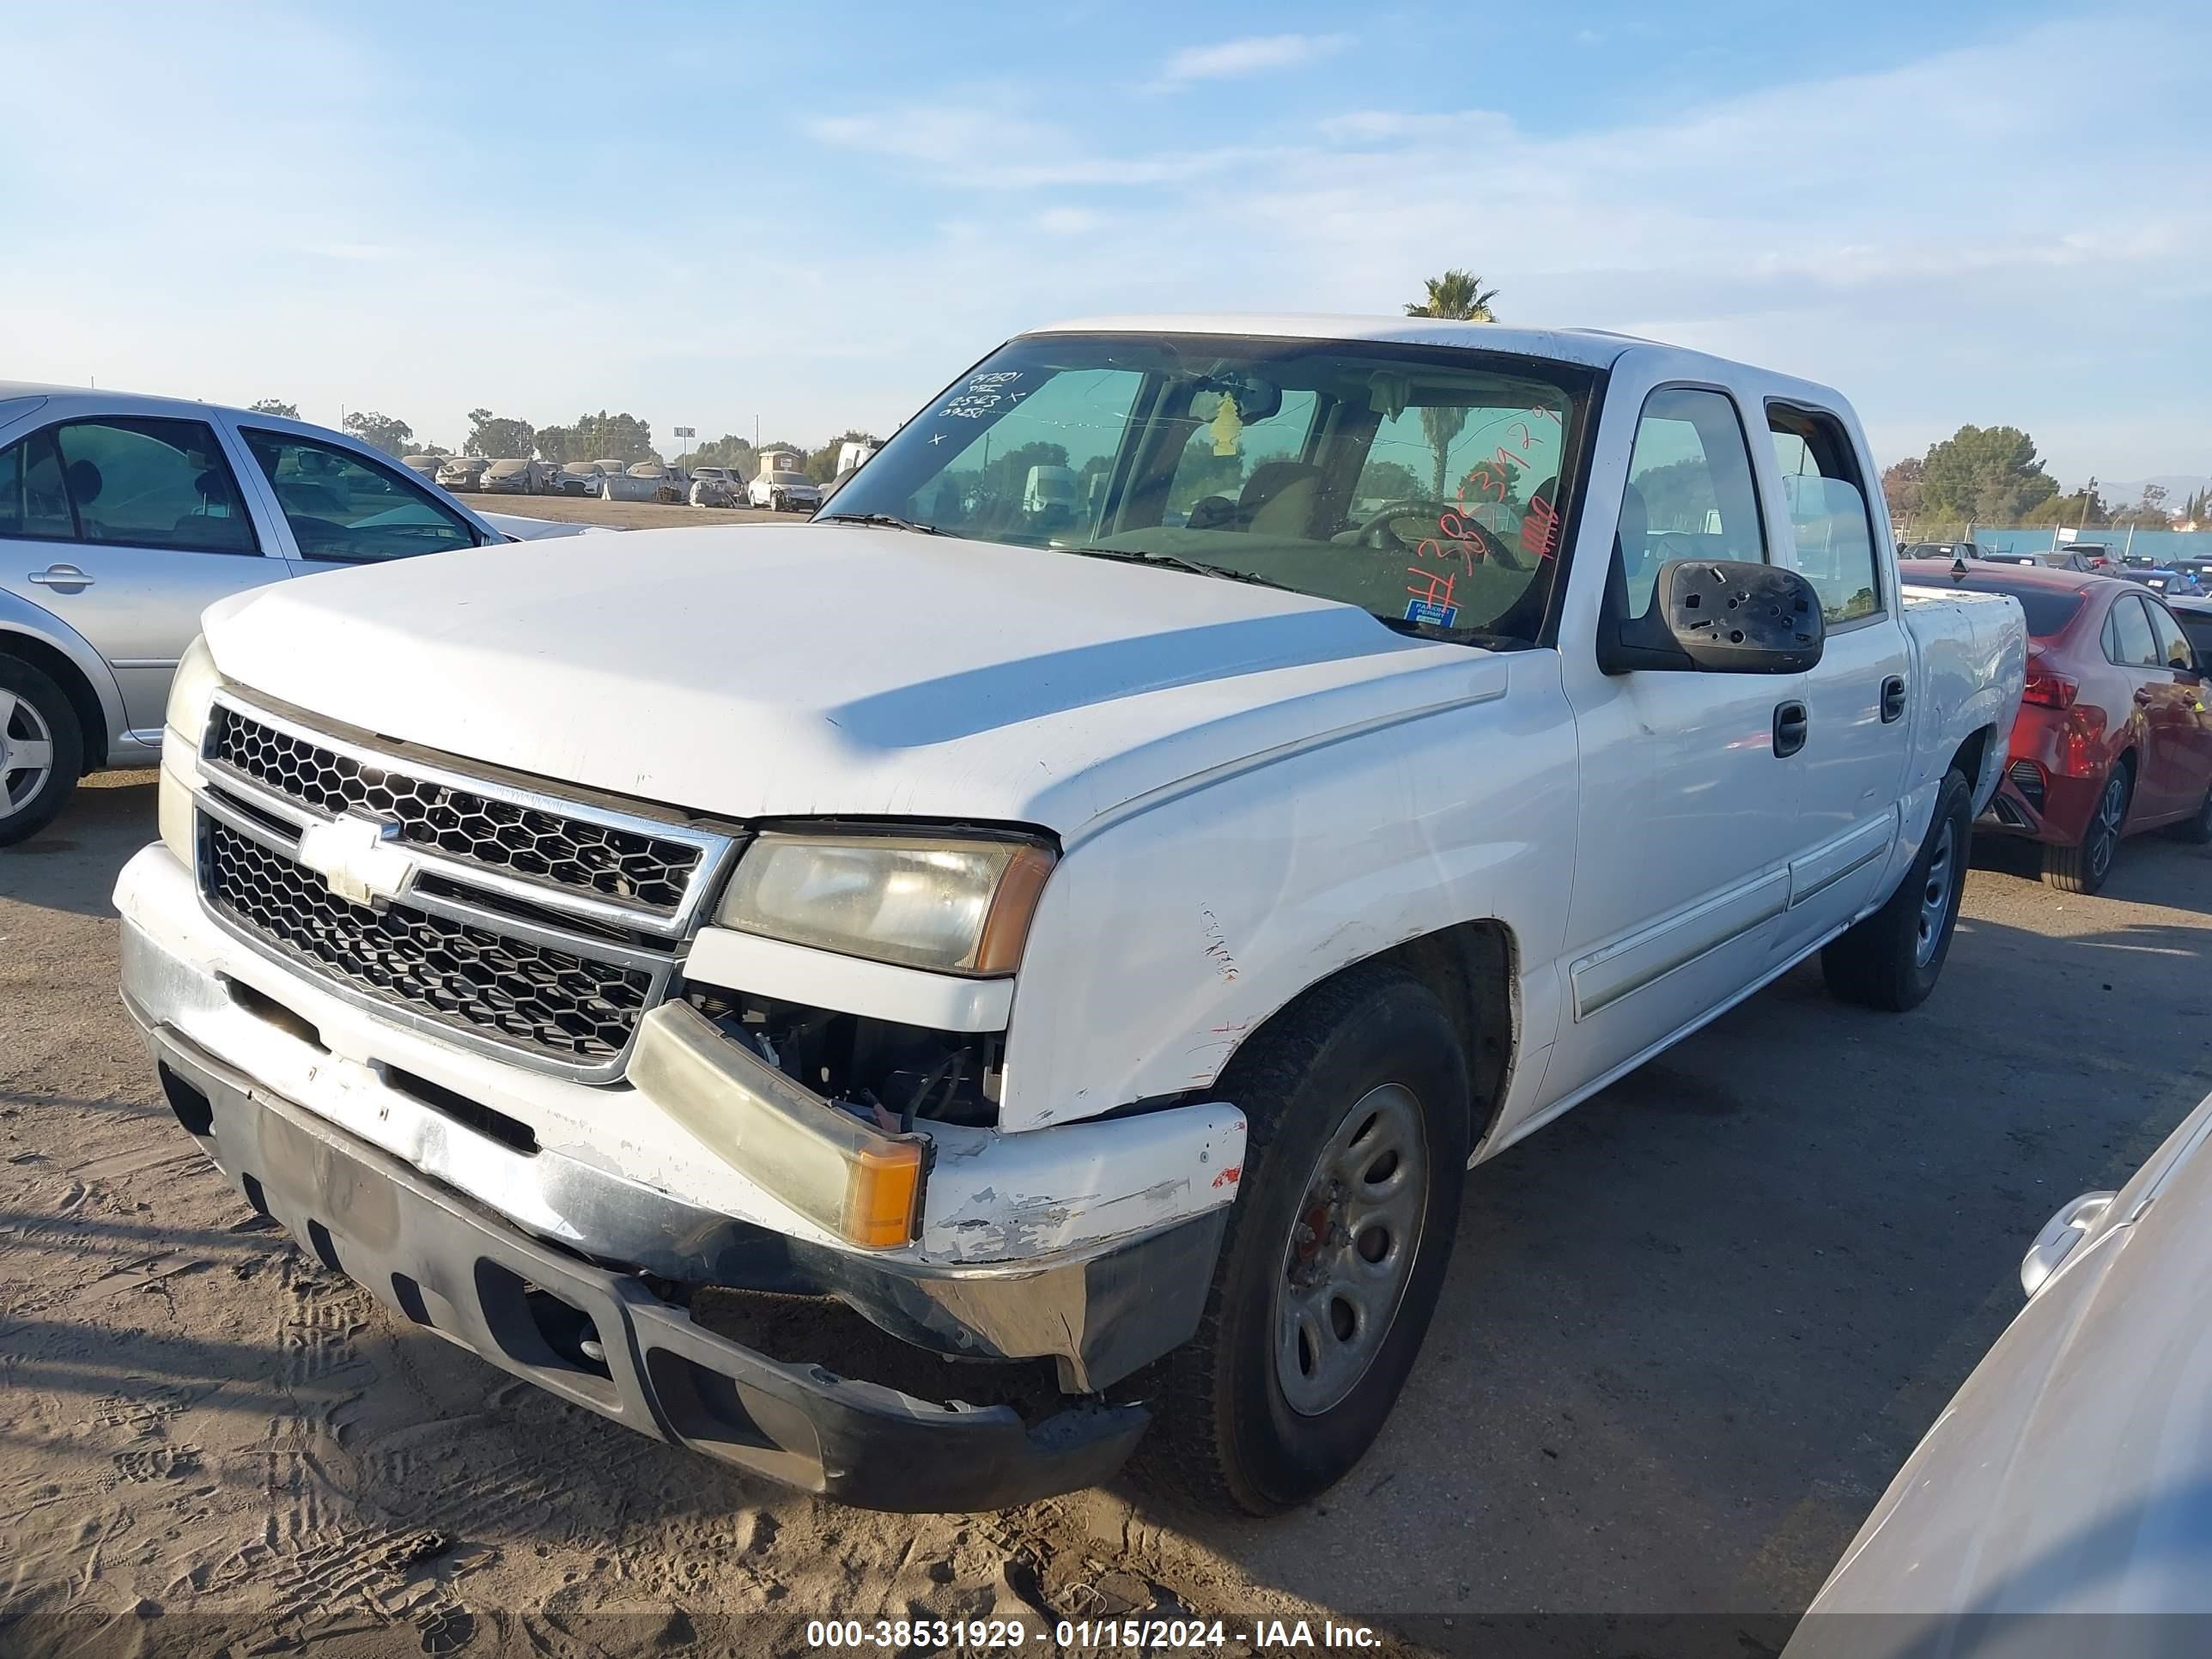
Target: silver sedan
{"x": 2062, "y": 1504}
{"x": 122, "y": 518}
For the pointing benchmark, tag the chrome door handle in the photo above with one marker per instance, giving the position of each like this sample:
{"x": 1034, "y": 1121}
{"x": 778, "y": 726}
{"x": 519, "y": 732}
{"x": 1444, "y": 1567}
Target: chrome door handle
{"x": 61, "y": 578}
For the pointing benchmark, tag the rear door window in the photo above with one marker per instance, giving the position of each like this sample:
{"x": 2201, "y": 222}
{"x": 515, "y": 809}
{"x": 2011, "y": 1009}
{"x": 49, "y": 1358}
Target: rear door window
{"x": 158, "y": 483}
{"x": 2173, "y": 647}
{"x": 343, "y": 507}
{"x": 1832, "y": 525}
{"x": 2129, "y": 640}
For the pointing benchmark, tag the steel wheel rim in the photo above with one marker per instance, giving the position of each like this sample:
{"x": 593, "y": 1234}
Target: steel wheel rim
{"x": 26, "y": 752}
{"x": 1351, "y": 1250}
{"x": 1935, "y": 894}
{"x": 2104, "y": 833}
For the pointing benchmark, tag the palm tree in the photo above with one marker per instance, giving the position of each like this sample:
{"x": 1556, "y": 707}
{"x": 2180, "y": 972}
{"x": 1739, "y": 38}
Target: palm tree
{"x": 1459, "y": 295}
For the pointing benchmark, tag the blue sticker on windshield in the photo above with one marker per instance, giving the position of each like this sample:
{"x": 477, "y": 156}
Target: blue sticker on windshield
{"x": 1423, "y": 611}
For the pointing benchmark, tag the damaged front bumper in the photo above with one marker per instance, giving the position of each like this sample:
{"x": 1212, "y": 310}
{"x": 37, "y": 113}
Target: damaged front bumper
{"x": 416, "y": 1167}
{"x": 605, "y": 1341}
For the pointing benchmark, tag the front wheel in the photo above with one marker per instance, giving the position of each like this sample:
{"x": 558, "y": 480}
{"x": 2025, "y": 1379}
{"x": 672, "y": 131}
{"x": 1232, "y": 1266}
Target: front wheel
{"x": 2083, "y": 868}
{"x": 1356, "y": 1105}
{"x": 1893, "y": 958}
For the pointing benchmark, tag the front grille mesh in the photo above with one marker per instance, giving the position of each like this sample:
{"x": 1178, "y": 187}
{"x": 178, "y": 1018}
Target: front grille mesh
{"x": 557, "y": 1002}
{"x": 558, "y": 850}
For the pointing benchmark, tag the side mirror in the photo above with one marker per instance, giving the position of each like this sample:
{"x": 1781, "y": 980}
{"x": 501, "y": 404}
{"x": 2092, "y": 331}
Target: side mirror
{"x": 1715, "y": 617}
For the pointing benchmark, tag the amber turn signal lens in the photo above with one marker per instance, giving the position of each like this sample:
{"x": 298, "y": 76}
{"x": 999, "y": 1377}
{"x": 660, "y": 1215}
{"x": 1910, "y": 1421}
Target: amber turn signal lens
{"x": 883, "y": 1187}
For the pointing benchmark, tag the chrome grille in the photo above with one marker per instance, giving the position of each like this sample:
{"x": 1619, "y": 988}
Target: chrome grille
{"x": 555, "y": 848}
{"x": 549, "y": 956}
{"x": 560, "y": 1002}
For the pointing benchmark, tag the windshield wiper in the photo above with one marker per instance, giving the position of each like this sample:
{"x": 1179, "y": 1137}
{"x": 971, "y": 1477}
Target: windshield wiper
{"x": 885, "y": 521}
{"x": 1176, "y": 561}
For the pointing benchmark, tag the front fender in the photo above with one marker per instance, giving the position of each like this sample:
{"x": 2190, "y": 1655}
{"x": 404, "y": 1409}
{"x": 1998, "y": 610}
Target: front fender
{"x": 1166, "y": 937}
{"x": 18, "y": 616}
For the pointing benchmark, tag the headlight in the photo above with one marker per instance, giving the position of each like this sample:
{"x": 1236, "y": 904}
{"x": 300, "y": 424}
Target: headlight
{"x": 191, "y": 695}
{"x": 959, "y": 906}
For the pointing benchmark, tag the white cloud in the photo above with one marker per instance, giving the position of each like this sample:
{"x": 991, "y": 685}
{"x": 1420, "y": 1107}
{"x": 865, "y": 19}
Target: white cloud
{"x": 1255, "y": 54}
{"x": 1940, "y": 248}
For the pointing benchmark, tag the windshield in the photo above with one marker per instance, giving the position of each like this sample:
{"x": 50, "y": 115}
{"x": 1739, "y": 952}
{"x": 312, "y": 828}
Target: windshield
{"x": 1417, "y": 482}
{"x": 789, "y": 478}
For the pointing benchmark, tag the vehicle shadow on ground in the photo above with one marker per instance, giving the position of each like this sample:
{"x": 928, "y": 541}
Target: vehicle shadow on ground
{"x": 70, "y": 865}
{"x": 2151, "y": 868}
{"x": 1723, "y": 1299}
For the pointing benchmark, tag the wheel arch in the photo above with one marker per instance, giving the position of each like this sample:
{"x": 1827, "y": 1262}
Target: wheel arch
{"x": 1470, "y": 966}
{"x": 58, "y": 666}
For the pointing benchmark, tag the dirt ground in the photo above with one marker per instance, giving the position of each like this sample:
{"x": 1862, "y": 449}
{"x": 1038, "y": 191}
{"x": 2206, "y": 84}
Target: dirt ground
{"x": 623, "y": 515}
{"x": 1690, "y": 1331}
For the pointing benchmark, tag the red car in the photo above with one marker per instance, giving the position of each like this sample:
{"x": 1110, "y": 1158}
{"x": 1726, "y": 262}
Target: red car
{"x": 2114, "y": 736}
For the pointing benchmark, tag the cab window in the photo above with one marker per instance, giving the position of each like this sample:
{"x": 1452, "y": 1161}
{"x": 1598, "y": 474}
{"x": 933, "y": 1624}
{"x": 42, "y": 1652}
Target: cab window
{"x": 2128, "y": 639}
{"x": 345, "y": 508}
{"x": 1829, "y": 516}
{"x": 2173, "y": 644}
{"x": 1689, "y": 495}
{"x": 125, "y": 482}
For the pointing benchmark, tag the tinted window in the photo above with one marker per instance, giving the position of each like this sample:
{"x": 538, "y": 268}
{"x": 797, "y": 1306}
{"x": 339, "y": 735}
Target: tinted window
{"x": 2198, "y": 628}
{"x": 152, "y": 484}
{"x": 341, "y": 506}
{"x": 1690, "y": 493}
{"x": 33, "y": 502}
{"x": 1828, "y": 512}
{"x": 2128, "y": 638}
{"x": 2048, "y": 611}
{"x": 2172, "y": 644}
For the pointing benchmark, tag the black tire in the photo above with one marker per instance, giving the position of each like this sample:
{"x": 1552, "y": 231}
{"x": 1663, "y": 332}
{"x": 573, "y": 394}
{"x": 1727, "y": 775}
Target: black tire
{"x": 2086, "y": 867}
{"x": 2197, "y": 830}
{"x": 35, "y": 710}
{"x": 1228, "y": 1438}
{"x": 1892, "y": 959}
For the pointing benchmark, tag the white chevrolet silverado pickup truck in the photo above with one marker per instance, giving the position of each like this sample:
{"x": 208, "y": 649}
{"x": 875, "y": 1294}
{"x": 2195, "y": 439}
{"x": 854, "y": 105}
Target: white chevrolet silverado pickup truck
{"x": 1080, "y": 943}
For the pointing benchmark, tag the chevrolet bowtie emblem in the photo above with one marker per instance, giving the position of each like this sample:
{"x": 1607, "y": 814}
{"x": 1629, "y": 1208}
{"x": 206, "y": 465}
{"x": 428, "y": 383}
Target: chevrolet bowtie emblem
{"x": 359, "y": 859}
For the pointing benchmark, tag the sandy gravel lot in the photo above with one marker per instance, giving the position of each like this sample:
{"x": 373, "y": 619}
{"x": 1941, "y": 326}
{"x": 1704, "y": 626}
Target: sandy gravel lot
{"x": 1690, "y": 1333}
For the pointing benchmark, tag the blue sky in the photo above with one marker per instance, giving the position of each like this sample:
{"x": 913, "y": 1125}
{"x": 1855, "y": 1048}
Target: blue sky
{"x": 1960, "y": 212}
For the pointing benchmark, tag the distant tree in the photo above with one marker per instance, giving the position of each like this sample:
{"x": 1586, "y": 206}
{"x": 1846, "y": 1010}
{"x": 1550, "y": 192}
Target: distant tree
{"x": 1441, "y": 424}
{"x": 499, "y": 437}
{"x": 1678, "y": 496}
{"x": 601, "y": 437}
{"x": 728, "y": 450}
{"x": 394, "y": 437}
{"x": 2150, "y": 512}
{"x": 1458, "y": 295}
{"x": 2082, "y": 508}
{"x": 1389, "y": 481}
{"x": 1983, "y": 475}
{"x": 275, "y": 406}
{"x": 822, "y": 463}
{"x": 1901, "y": 486}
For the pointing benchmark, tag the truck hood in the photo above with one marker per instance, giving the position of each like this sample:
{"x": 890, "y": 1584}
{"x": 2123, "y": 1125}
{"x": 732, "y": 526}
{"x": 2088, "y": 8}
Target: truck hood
{"x": 833, "y": 670}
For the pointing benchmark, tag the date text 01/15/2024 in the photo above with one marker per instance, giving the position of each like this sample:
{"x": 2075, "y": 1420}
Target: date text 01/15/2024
{"x": 1142, "y": 1634}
